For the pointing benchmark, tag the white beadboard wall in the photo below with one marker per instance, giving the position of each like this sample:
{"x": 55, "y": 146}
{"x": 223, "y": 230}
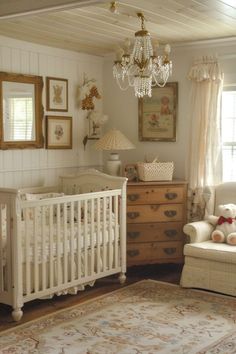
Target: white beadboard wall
{"x": 33, "y": 167}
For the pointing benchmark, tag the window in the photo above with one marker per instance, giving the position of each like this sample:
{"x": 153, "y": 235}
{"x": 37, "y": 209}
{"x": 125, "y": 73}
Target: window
{"x": 17, "y": 127}
{"x": 228, "y": 133}
{"x": 18, "y": 103}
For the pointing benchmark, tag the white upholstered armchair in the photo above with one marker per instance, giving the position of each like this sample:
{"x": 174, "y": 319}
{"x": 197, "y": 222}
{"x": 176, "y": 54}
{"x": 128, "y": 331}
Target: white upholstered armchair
{"x": 210, "y": 265}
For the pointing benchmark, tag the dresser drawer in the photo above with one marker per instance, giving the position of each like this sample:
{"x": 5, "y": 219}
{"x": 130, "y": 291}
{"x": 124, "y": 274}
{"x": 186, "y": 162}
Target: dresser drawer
{"x": 154, "y": 232}
{"x": 154, "y": 213}
{"x": 154, "y": 194}
{"x": 154, "y": 252}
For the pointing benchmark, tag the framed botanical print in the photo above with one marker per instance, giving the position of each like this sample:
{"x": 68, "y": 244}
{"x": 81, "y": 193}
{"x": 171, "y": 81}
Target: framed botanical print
{"x": 57, "y": 94}
{"x": 158, "y": 114}
{"x": 58, "y": 132}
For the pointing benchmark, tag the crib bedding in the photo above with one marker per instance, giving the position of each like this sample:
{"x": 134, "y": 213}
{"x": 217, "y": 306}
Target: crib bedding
{"x": 103, "y": 233}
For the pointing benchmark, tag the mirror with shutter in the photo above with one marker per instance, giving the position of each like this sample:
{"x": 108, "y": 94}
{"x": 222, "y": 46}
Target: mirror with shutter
{"x": 21, "y": 111}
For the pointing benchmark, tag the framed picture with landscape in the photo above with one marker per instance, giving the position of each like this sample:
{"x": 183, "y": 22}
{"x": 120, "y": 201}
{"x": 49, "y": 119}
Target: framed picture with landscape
{"x": 158, "y": 114}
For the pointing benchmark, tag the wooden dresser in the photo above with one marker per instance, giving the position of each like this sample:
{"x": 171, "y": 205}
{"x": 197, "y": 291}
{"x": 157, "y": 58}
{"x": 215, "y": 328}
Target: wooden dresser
{"x": 156, "y": 213}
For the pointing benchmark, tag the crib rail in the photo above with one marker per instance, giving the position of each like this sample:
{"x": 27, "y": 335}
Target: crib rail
{"x": 69, "y": 241}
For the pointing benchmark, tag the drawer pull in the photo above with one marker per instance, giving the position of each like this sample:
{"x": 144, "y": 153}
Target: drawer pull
{"x": 133, "y": 253}
{"x": 133, "y": 235}
{"x": 133, "y": 197}
{"x": 170, "y": 213}
{"x": 171, "y": 196}
{"x": 170, "y": 251}
{"x": 170, "y": 233}
{"x": 133, "y": 215}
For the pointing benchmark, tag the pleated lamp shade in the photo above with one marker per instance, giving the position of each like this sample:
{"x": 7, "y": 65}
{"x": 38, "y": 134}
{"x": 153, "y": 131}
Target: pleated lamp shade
{"x": 114, "y": 140}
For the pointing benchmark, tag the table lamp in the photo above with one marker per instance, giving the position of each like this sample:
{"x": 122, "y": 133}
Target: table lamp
{"x": 114, "y": 140}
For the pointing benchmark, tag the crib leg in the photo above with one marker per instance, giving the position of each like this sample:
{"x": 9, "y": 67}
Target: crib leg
{"x": 17, "y": 313}
{"x": 122, "y": 278}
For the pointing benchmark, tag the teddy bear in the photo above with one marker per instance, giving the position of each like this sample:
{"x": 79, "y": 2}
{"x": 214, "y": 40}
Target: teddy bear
{"x": 225, "y": 224}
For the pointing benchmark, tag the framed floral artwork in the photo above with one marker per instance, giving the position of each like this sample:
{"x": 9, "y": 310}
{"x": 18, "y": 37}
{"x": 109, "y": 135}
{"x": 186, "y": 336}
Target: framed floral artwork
{"x": 58, "y": 132}
{"x": 158, "y": 114}
{"x": 57, "y": 94}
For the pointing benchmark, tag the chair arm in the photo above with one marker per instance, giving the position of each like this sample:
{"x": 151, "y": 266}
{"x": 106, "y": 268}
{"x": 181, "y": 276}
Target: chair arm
{"x": 198, "y": 231}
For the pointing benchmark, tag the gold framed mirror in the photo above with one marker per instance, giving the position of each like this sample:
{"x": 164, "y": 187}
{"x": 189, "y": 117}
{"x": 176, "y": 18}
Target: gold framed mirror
{"x": 21, "y": 111}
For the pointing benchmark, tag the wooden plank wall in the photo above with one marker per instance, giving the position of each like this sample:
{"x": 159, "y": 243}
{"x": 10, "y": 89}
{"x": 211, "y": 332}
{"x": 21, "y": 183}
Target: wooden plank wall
{"x": 33, "y": 167}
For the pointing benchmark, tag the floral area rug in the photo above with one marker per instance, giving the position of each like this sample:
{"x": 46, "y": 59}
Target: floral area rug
{"x": 147, "y": 317}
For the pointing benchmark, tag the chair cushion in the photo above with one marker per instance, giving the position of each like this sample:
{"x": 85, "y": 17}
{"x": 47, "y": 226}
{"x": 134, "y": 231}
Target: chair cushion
{"x": 220, "y": 252}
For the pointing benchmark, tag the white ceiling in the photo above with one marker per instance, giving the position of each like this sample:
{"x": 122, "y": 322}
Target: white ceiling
{"x": 96, "y": 30}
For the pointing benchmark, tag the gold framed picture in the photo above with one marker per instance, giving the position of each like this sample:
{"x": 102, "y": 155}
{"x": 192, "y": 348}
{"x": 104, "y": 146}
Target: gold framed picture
{"x": 158, "y": 114}
{"x": 58, "y": 132}
{"x": 57, "y": 94}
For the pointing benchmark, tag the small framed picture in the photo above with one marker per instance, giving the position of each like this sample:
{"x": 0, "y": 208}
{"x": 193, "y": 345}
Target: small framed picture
{"x": 130, "y": 171}
{"x": 58, "y": 132}
{"x": 57, "y": 94}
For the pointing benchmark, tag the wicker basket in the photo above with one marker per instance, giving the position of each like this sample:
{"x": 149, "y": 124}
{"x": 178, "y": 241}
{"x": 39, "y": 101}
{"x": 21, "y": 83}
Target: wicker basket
{"x": 155, "y": 171}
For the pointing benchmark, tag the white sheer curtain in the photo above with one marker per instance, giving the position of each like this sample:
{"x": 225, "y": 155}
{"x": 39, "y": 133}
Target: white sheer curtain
{"x": 205, "y": 150}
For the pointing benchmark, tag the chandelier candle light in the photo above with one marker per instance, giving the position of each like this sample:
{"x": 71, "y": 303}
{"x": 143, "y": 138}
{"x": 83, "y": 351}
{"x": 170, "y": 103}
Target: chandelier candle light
{"x": 143, "y": 68}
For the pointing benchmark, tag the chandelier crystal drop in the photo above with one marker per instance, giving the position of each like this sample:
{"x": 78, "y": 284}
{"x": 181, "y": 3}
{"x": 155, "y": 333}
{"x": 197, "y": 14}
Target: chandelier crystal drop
{"x": 143, "y": 68}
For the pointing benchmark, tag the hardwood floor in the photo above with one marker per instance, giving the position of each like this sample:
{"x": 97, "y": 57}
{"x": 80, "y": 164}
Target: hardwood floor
{"x": 34, "y": 309}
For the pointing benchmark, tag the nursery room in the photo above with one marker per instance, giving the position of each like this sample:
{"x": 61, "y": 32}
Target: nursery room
{"x": 118, "y": 176}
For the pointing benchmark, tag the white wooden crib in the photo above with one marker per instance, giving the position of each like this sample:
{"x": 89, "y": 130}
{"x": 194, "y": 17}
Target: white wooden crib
{"x": 55, "y": 243}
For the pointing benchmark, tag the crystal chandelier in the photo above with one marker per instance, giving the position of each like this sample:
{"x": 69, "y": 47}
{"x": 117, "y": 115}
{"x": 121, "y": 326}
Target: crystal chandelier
{"x": 143, "y": 68}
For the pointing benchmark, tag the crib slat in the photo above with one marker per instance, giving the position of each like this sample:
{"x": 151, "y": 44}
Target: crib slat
{"x": 27, "y": 252}
{"x": 65, "y": 258}
{"x": 98, "y": 236}
{"x": 92, "y": 237}
{"x": 44, "y": 251}
{"x": 104, "y": 233}
{"x": 79, "y": 240}
{"x": 58, "y": 213}
{"x": 9, "y": 249}
{"x": 85, "y": 238}
{"x": 35, "y": 262}
{"x": 110, "y": 235}
{"x": 116, "y": 233}
{"x": 72, "y": 272}
{"x": 51, "y": 271}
